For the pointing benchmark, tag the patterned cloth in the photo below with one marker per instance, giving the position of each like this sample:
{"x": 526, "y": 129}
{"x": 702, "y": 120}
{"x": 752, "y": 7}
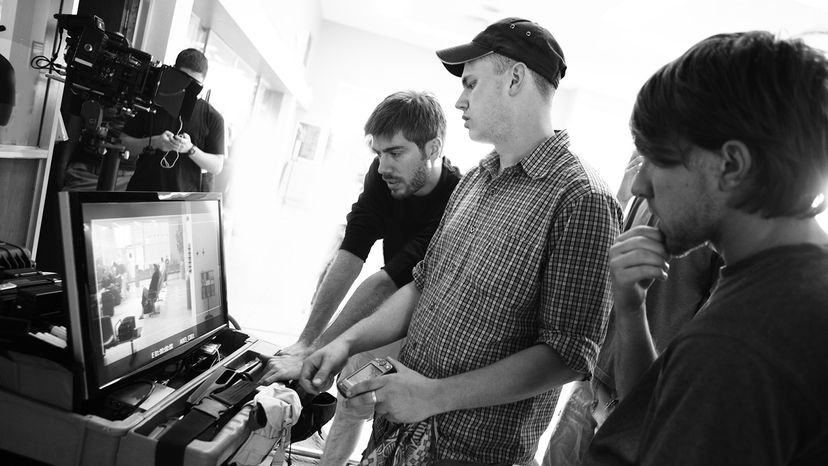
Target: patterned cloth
{"x": 402, "y": 445}
{"x": 520, "y": 258}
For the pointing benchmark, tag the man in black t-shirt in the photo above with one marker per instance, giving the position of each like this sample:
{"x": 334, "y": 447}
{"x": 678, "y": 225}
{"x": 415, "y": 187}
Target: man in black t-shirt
{"x": 405, "y": 193}
{"x": 734, "y": 158}
{"x": 173, "y": 151}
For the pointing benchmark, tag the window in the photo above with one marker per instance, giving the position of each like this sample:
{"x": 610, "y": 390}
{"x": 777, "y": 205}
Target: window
{"x": 29, "y": 33}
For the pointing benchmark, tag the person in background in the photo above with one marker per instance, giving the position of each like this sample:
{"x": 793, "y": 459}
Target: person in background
{"x": 165, "y": 264}
{"x": 172, "y": 152}
{"x": 512, "y": 297}
{"x": 155, "y": 280}
{"x": 149, "y": 296}
{"x": 734, "y": 135}
{"x": 404, "y": 195}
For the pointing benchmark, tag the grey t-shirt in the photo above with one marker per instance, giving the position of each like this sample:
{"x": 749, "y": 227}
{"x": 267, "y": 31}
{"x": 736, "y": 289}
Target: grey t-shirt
{"x": 743, "y": 382}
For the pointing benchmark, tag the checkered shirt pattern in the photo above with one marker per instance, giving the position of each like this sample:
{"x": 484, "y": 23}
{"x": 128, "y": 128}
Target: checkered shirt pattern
{"x": 520, "y": 258}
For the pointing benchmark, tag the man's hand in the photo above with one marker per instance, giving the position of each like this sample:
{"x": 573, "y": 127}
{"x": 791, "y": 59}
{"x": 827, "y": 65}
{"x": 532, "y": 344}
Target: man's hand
{"x": 168, "y": 141}
{"x": 297, "y": 349}
{"x": 184, "y": 142}
{"x": 636, "y": 259}
{"x": 164, "y": 142}
{"x": 320, "y": 368}
{"x": 403, "y": 397}
{"x": 286, "y": 364}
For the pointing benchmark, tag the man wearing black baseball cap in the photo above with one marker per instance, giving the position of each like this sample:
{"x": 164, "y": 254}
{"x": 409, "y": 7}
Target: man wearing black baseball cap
{"x": 515, "y": 38}
{"x": 511, "y": 299}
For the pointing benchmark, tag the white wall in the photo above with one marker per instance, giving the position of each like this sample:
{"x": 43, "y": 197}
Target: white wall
{"x": 166, "y": 28}
{"x": 351, "y": 61}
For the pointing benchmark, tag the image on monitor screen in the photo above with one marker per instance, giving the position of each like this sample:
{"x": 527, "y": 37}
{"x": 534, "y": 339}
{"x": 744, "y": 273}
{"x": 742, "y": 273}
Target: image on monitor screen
{"x": 149, "y": 279}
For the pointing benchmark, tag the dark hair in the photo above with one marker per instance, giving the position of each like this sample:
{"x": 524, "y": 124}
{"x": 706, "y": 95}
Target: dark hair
{"x": 191, "y": 59}
{"x": 417, "y": 114}
{"x": 768, "y": 93}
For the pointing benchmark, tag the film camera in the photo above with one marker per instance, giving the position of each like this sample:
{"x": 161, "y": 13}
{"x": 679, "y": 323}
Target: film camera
{"x": 114, "y": 81}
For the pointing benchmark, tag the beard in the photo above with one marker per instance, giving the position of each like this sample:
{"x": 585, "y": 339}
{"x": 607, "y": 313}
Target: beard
{"x": 417, "y": 181}
{"x": 683, "y": 240}
{"x": 689, "y": 227}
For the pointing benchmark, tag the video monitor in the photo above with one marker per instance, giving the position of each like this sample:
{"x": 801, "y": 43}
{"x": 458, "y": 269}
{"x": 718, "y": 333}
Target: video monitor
{"x": 144, "y": 279}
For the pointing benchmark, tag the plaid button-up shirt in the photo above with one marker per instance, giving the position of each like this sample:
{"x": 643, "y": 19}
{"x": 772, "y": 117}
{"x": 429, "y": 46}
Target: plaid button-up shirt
{"x": 520, "y": 258}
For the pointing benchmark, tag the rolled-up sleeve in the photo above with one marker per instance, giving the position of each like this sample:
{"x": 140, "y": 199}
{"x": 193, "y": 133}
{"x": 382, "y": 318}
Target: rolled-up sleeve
{"x": 575, "y": 297}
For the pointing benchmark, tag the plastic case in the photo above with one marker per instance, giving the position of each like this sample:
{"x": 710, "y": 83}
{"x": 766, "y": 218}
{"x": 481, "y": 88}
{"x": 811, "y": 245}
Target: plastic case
{"x": 26, "y": 374}
{"x": 60, "y": 437}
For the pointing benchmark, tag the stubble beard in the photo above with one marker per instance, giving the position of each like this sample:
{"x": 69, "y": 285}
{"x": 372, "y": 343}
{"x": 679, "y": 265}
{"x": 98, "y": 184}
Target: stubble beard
{"x": 690, "y": 239}
{"x": 418, "y": 180}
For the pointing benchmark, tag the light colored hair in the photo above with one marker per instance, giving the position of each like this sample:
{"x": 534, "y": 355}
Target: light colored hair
{"x": 502, "y": 63}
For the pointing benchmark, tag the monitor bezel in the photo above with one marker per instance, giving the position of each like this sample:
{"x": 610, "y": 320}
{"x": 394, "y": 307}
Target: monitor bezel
{"x": 79, "y": 297}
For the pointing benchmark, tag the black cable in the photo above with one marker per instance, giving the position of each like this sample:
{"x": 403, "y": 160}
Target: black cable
{"x": 117, "y": 409}
{"x": 52, "y": 66}
{"x": 234, "y": 322}
{"x": 42, "y": 62}
{"x": 147, "y": 395}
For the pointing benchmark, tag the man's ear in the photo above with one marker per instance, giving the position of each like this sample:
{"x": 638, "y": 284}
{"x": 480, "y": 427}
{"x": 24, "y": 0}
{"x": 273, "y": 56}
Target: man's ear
{"x": 517, "y": 76}
{"x": 735, "y": 166}
{"x": 434, "y": 148}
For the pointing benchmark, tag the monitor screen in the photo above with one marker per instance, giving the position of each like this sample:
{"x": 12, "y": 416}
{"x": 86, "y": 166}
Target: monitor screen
{"x": 144, "y": 278}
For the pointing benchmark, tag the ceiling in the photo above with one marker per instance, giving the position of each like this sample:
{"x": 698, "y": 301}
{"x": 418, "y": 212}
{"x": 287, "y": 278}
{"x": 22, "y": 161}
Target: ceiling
{"x": 611, "y": 46}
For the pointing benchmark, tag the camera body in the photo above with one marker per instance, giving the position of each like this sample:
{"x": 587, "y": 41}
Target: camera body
{"x": 114, "y": 81}
{"x": 102, "y": 64}
{"x": 373, "y": 369}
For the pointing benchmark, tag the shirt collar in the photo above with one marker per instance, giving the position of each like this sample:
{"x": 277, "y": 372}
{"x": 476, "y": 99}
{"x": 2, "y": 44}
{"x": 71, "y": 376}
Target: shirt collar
{"x": 538, "y": 163}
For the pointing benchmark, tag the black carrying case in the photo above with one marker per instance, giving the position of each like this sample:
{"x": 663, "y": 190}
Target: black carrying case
{"x": 13, "y": 256}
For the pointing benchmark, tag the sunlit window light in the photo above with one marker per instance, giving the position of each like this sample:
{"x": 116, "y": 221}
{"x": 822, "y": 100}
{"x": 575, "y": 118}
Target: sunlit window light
{"x": 822, "y": 218}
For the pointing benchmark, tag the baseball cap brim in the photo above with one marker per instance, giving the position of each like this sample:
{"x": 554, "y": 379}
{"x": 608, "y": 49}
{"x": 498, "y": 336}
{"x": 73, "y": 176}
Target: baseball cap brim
{"x": 455, "y": 58}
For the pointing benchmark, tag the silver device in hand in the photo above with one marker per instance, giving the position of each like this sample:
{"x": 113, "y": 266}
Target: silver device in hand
{"x": 374, "y": 368}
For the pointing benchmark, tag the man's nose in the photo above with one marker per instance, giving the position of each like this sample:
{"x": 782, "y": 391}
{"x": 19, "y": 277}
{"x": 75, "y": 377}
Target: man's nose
{"x": 384, "y": 167}
{"x": 462, "y": 103}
